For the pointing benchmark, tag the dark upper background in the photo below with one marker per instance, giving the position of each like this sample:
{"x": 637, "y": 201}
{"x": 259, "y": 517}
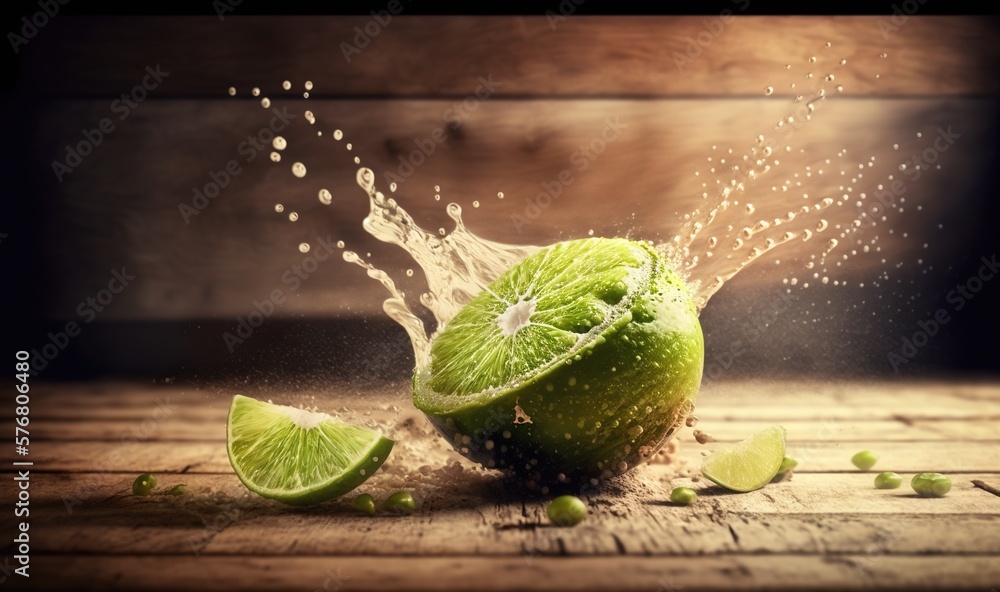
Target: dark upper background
{"x": 558, "y": 85}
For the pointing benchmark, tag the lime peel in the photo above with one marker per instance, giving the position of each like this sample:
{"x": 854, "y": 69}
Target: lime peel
{"x": 298, "y": 456}
{"x": 750, "y": 464}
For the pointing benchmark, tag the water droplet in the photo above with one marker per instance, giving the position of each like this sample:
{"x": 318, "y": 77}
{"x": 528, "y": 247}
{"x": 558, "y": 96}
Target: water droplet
{"x": 437, "y": 198}
{"x": 828, "y": 44}
{"x": 293, "y": 216}
{"x": 299, "y": 170}
{"x": 822, "y": 225}
{"x": 590, "y": 232}
{"x": 768, "y": 90}
{"x": 338, "y": 135}
{"x": 349, "y": 146}
{"x": 303, "y": 247}
{"x": 265, "y": 102}
{"x": 255, "y": 91}
{"x": 749, "y": 208}
{"x": 437, "y": 188}
{"x": 309, "y": 85}
{"x": 840, "y": 88}
{"x": 392, "y": 187}
{"x": 357, "y": 160}
{"x": 279, "y": 143}
{"x": 409, "y": 273}
{"x": 441, "y": 231}
{"x": 279, "y": 208}
{"x": 812, "y": 60}
{"x": 232, "y": 91}
{"x": 475, "y": 204}
{"x": 788, "y": 66}
{"x": 500, "y": 195}
{"x": 305, "y": 95}
{"x": 884, "y": 55}
{"x": 902, "y": 167}
{"x": 275, "y": 157}
{"x": 340, "y": 244}
{"x": 325, "y": 197}
{"x": 829, "y": 78}
{"x": 286, "y": 85}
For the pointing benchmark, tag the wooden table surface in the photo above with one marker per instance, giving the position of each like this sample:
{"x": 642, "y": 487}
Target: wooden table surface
{"x": 827, "y": 527}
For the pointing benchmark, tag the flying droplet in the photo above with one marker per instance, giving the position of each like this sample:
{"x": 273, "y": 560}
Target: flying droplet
{"x": 309, "y": 85}
{"x": 255, "y": 91}
{"x": 338, "y": 135}
{"x": 286, "y": 85}
{"x": 340, "y": 244}
{"x": 275, "y": 157}
{"x": 304, "y": 247}
{"x": 293, "y": 216}
{"x": 392, "y": 187}
{"x": 768, "y": 90}
{"x": 325, "y": 197}
{"x": 279, "y": 143}
{"x": 500, "y": 195}
{"x": 265, "y": 102}
{"x": 299, "y": 170}
{"x": 232, "y": 91}
{"x": 475, "y": 204}
{"x": 279, "y": 208}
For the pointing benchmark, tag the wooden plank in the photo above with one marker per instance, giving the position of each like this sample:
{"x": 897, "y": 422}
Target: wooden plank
{"x": 210, "y": 428}
{"x": 588, "y": 56}
{"x": 838, "y": 405}
{"x": 238, "y": 249}
{"x": 291, "y": 574}
{"x": 818, "y": 455}
{"x": 95, "y": 513}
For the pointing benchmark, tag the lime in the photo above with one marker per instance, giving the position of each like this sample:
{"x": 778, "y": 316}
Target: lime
{"x": 583, "y": 359}
{"x": 298, "y": 456}
{"x": 749, "y": 465}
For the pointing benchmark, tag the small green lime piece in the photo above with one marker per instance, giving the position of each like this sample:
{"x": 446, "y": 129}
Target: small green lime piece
{"x": 888, "y": 480}
{"x": 365, "y": 503}
{"x": 931, "y": 484}
{"x": 144, "y": 484}
{"x": 566, "y": 510}
{"x": 864, "y": 460}
{"x": 400, "y": 502}
{"x": 748, "y": 465}
{"x": 684, "y": 496}
{"x": 787, "y": 464}
{"x": 178, "y": 489}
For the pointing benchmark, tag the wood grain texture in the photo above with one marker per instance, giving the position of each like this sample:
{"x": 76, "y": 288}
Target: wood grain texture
{"x": 578, "y": 57}
{"x": 825, "y": 528}
{"x": 120, "y": 207}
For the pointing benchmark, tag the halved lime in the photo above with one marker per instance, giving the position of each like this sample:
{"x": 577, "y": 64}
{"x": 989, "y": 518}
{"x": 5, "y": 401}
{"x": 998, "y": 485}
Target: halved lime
{"x": 749, "y": 465}
{"x": 582, "y": 359}
{"x": 299, "y": 456}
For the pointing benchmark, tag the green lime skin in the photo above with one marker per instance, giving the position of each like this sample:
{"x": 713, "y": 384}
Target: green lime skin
{"x": 787, "y": 464}
{"x": 180, "y": 489}
{"x": 684, "y": 496}
{"x": 888, "y": 480}
{"x": 864, "y": 460}
{"x": 365, "y": 503}
{"x": 566, "y": 510}
{"x": 144, "y": 484}
{"x": 603, "y": 411}
{"x": 931, "y": 484}
{"x": 400, "y": 502}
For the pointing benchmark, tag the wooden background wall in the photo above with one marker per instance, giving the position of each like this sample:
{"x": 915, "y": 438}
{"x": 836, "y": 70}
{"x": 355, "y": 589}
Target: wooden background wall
{"x": 557, "y": 87}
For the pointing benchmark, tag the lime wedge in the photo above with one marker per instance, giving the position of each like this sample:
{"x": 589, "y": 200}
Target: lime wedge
{"x": 749, "y": 465}
{"x": 298, "y": 456}
{"x": 580, "y": 360}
